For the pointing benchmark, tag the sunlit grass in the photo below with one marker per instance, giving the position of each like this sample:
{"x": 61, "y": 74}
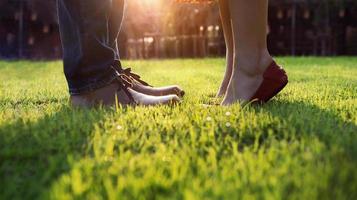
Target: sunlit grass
{"x": 302, "y": 145}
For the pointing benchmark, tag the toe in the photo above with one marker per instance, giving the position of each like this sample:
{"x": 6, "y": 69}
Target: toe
{"x": 179, "y": 92}
{"x": 174, "y": 99}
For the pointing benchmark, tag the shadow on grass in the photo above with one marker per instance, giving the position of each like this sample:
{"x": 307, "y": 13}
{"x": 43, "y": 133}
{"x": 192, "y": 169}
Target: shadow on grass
{"x": 337, "y": 134}
{"x": 310, "y": 120}
{"x": 34, "y": 154}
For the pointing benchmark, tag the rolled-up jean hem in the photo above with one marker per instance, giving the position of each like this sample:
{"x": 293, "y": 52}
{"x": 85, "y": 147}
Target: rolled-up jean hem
{"x": 92, "y": 85}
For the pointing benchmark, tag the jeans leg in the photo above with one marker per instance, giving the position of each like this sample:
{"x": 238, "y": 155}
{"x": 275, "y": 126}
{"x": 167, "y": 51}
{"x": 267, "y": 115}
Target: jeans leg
{"x": 115, "y": 22}
{"x": 89, "y": 42}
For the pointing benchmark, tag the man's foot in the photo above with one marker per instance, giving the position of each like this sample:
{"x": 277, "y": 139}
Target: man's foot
{"x": 116, "y": 94}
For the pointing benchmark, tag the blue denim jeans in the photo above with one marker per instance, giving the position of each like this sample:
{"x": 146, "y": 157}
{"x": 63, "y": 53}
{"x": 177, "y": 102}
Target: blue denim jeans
{"x": 89, "y": 31}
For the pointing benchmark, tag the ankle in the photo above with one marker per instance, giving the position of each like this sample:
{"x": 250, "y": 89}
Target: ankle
{"x": 253, "y": 64}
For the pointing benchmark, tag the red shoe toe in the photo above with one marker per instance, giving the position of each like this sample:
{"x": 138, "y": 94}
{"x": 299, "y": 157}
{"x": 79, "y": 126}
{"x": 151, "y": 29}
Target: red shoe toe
{"x": 274, "y": 80}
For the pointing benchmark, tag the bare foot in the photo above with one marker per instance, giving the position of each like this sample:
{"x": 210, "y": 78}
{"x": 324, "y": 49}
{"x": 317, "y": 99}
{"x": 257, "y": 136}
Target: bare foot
{"x": 158, "y": 91}
{"x": 114, "y": 93}
{"x": 223, "y": 88}
{"x": 227, "y": 76}
{"x": 245, "y": 82}
{"x": 148, "y": 100}
{"x": 142, "y": 87}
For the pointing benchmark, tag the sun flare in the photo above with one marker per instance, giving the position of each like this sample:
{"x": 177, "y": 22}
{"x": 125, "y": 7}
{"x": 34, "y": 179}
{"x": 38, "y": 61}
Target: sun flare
{"x": 150, "y": 3}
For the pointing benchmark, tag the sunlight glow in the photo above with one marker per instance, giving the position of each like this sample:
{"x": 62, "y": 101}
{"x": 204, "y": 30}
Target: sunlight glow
{"x": 150, "y": 3}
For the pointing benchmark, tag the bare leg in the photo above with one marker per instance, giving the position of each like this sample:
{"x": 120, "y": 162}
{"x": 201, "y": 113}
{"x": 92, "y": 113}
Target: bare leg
{"x": 249, "y": 22}
{"x": 228, "y": 36}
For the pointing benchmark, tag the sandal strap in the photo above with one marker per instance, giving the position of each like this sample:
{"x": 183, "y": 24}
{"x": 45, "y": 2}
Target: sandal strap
{"x": 134, "y": 76}
{"x": 124, "y": 82}
{"x": 128, "y": 75}
{"x": 124, "y": 86}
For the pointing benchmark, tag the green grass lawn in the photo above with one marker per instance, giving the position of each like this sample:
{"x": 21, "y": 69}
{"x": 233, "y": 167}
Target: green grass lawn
{"x": 301, "y": 145}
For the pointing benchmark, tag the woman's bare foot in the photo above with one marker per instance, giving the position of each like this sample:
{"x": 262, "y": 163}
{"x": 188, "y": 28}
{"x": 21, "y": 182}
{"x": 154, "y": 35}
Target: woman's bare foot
{"x": 158, "y": 91}
{"x": 224, "y": 85}
{"x": 223, "y": 88}
{"x": 246, "y": 79}
{"x": 113, "y": 94}
{"x": 143, "y": 87}
{"x": 227, "y": 76}
{"x": 148, "y": 100}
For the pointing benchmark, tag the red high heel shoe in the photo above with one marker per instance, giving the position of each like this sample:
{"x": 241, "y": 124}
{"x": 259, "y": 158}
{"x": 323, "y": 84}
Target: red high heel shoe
{"x": 275, "y": 79}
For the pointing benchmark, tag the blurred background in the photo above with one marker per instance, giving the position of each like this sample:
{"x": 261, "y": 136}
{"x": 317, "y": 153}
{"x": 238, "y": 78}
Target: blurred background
{"x": 166, "y": 29}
